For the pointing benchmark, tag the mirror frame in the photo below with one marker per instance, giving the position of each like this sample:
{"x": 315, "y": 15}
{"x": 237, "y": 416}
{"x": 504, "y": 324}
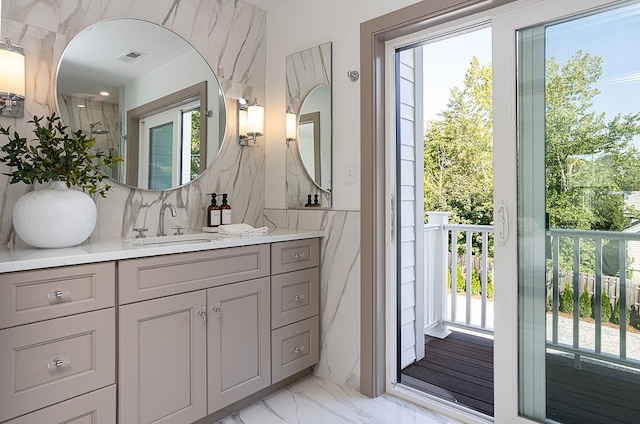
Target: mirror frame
{"x": 306, "y": 71}
{"x": 132, "y": 116}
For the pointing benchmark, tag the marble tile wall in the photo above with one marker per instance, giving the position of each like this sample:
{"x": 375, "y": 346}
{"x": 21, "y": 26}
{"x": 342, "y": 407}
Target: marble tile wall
{"x": 229, "y": 34}
{"x": 339, "y": 288}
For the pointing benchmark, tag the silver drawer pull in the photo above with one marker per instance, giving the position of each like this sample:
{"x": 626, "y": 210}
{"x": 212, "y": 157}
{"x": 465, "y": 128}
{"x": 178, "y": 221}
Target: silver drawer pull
{"x": 216, "y": 309}
{"x": 58, "y": 362}
{"x": 59, "y": 295}
{"x": 203, "y": 313}
{"x": 298, "y": 297}
{"x": 298, "y": 349}
{"x": 298, "y": 255}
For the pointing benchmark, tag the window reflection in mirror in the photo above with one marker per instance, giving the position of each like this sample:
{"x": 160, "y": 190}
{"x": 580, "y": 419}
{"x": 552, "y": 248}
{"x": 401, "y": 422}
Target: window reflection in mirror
{"x": 121, "y": 72}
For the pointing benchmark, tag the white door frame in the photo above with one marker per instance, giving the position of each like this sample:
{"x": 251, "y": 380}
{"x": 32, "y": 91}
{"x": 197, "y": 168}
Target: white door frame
{"x": 505, "y": 21}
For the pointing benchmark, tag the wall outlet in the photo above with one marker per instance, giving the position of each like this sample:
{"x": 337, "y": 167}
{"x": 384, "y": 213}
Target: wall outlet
{"x": 350, "y": 173}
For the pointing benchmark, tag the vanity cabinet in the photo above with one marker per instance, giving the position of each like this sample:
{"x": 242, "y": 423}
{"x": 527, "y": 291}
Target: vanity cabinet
{"x": 295, "y": 307}
{"x": 57, "y": 343}
{"x": 198, "y": 333}
{"x": 210, "y": 323}
{"x": 238, "y": 341}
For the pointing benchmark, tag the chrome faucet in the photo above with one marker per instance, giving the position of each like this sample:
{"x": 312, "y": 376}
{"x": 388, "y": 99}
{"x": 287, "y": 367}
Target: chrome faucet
{"x": 164, "y": 206}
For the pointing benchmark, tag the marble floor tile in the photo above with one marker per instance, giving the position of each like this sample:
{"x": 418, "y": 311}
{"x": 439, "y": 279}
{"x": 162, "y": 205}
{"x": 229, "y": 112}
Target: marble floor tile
{"x": 318, "y": 401}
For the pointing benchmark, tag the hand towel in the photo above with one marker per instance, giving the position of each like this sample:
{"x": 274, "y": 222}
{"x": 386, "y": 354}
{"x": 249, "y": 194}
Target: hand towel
{"x": 241, "y": 230}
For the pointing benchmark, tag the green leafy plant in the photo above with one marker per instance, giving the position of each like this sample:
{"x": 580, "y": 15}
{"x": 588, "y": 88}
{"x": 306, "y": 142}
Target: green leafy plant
{"x": 566, "y": 300}
{"x": 57, "y": 155}
{"x": 606, "y": 307}
{"x": 615, "y": 317}
{"x": 585, "y": 303}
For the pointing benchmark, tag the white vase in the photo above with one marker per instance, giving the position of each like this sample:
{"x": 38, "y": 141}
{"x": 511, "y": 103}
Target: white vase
{"x": 54, "y": 216}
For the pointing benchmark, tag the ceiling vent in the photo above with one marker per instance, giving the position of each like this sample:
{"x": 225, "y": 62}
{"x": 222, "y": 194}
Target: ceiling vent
{"x": 129, "y": 56}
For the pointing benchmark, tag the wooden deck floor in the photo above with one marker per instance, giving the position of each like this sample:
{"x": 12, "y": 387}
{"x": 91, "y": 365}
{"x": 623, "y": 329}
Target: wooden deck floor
{"x": 460, "y": 369}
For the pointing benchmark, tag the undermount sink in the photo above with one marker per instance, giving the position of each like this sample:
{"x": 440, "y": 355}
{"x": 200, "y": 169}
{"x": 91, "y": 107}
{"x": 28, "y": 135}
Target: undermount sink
{"x": 182, "y": 238}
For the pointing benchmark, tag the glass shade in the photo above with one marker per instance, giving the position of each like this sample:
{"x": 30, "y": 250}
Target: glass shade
{"x": 12, "y": 79}
{"x": 291, "y": 126}
{"x": 255, "y": 119}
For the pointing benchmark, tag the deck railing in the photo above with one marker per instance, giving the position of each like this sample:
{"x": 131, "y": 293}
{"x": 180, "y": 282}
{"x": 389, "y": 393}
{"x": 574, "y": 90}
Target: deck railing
{"x": 591, "y": 340}
{"x": 449, "y": 247}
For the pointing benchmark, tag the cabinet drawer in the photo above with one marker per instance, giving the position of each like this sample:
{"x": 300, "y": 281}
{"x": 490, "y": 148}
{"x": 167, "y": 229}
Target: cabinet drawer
{"x": 294, "y": 348}
{"x": 294, "y": 296}
{"x": 51, "y": 361}
{"x": 31, "y": 296}
{"x": 148, "y": 278}
{"x": 97, "y": 407}
{"x": 293, "y": 255}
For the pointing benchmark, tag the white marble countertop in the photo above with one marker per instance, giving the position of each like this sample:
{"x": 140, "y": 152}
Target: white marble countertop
{"x": 110, "y": 249}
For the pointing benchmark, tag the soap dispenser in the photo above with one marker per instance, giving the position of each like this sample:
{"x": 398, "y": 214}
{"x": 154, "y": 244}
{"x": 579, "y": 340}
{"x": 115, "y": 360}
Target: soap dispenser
{"x": 213, "y": 212}
{"x": 225, "y": 209}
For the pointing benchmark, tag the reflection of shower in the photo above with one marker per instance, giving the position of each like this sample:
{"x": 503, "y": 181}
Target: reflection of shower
{"x": 96, "y": 128}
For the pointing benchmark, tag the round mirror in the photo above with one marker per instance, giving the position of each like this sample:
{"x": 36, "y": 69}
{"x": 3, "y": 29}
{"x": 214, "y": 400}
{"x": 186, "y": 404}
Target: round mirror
{"x": 314, "y": 135}
{"x": 144, "y": 92}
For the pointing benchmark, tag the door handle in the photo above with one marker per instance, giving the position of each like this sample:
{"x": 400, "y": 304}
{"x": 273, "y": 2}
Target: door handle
{"x": 502, "y": 223}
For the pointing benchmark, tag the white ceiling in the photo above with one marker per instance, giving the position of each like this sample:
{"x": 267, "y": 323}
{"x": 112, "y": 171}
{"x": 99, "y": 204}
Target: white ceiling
{"x": 266, "y": 4}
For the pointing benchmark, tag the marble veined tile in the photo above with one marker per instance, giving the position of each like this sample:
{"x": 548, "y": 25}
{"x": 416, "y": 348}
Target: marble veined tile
{"x": 318, "y": 401}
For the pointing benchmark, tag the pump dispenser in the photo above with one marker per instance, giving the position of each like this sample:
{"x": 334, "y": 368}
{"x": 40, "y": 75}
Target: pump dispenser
{"x": 213, "y": 213}
{"x": 225, "y": 210}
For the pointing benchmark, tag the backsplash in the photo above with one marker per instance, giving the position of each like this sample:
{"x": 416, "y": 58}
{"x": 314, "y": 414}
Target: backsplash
{"x": 229, "y": 34}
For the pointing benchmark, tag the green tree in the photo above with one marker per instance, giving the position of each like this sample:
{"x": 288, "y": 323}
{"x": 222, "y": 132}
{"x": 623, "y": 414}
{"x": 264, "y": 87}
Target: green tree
{"x": 585, "y": 303}
{"x": 590, "y": 160}
{"x": 458, "y": 153}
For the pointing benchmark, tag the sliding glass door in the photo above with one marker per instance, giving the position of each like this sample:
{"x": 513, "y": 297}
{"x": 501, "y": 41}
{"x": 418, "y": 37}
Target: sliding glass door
{"x": 578, "y": 244}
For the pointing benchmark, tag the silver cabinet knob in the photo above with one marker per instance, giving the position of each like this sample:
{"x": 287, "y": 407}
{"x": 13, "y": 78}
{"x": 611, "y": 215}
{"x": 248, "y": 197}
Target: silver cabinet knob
{"x": 216, "y": 309}
{"x": 298, "y": 349}
{"x": 59, "y": 295}
{"x": 58, "y": 362}
{"x": 298, "y": 297}
{"x": 299, "y": 255}
{"x": 203, "y": 313}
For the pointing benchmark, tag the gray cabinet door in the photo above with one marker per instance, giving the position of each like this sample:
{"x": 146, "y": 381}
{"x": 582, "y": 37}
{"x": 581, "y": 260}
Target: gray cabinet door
{"x": 162, "y": 372}
{"x": 238, "y": 341}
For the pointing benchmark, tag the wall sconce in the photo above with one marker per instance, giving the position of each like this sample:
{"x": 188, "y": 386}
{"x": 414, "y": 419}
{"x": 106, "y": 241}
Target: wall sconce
{"x": 250, "y": 121}
{"x": 290, "y": 129}
{"x": 12, "y": 79}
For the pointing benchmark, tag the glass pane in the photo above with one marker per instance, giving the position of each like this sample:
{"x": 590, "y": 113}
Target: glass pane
{"x": 160, "y": 156}
{"x": 579, "y": 181}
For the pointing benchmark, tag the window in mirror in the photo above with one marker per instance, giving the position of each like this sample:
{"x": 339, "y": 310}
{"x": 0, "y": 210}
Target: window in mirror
{"x": 136, "y": 62}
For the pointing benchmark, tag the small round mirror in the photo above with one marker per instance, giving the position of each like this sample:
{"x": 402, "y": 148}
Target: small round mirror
{"x": 314, "y": 135}
{"x": 144, "y": 92}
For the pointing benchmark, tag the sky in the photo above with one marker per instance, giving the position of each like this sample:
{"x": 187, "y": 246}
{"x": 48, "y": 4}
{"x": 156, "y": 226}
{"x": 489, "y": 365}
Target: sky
{"x": 613, "y": 34}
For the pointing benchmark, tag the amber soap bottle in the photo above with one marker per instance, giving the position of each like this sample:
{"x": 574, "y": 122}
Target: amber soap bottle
{"x": 213, "y": 213}
{"x": 225, "y": 209}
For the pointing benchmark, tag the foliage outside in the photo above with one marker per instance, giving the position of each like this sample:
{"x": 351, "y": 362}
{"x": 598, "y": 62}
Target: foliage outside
{"x": 606, "y": 307}
{"x": 585, "y": 303}
{"x": 476, "y": 282}
{"x": 591, "y": 161}
{"x": 57, "y": 155}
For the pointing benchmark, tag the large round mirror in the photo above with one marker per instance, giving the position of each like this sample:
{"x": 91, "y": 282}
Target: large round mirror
{"x": 143, "y": 92}
{"x": 314, "y": 135}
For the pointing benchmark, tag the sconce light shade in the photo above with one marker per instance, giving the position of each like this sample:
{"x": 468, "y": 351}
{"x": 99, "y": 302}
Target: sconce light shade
{"x": 250, "y": 121}
{"x": 12, "y": 74}
{"x": 242, "y": 121}
{"x": 290, "y": 129}
{"x": 255, "y": 119}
